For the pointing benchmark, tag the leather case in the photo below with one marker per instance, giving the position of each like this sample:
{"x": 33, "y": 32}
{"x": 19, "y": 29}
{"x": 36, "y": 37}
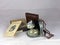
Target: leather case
{"x": 34, "y": 18}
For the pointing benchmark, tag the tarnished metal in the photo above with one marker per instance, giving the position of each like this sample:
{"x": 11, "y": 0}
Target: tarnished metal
{"x": 42, "y": 25}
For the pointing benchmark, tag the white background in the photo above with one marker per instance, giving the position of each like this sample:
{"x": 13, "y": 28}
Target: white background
{"x": 48, "y": 10}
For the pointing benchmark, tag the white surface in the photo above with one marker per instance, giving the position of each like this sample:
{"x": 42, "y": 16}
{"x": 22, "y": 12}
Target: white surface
{"x": 51, "y": 17}
{"x": 29, "y": 4}
{"x": 48, "y": 10}
{"x": 22, "y": 39}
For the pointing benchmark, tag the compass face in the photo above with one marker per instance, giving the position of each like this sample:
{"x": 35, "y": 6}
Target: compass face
{"x": 12, "y": 28}
{"x": 32, "y": 33}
